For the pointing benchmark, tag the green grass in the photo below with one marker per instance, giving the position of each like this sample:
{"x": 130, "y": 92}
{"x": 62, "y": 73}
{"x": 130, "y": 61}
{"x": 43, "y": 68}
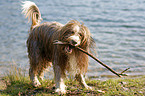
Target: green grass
{"x": 17, "y": 84}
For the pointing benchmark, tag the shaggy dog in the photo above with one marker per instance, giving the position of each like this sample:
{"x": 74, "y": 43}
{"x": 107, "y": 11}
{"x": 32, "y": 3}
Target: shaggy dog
{"x": 42, "y": 52}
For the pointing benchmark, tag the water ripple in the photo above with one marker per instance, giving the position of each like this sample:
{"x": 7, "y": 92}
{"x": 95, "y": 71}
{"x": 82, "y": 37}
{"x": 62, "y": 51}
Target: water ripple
{"x": 117, "y": 26}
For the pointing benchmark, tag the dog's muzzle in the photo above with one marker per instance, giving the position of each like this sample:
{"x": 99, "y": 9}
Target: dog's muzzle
{"x": 74, "y": 40}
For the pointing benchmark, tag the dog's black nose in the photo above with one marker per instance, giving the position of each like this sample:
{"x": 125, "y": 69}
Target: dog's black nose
{"x": 73, "y": 42}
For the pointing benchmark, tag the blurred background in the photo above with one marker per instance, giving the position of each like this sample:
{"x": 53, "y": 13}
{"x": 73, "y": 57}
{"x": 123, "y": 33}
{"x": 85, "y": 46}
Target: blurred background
{"x": 118, "y": 27}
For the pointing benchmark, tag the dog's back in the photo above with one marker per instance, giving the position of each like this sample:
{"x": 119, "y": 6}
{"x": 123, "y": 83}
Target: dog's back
{"x": 43, "y": 36}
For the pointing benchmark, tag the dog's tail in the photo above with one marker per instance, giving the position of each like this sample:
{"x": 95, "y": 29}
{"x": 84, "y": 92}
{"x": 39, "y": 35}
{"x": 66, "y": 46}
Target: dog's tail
{"x": 31, "y": 11}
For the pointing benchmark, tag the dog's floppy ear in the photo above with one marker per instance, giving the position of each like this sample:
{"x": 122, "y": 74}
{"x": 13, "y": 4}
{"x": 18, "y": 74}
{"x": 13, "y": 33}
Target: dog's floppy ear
{"x": 88, "y": 42}
{"x": 85, "y": 35}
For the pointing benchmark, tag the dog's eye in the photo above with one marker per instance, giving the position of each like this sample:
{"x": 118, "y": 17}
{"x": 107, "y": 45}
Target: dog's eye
{"x": 72, "y": 32}
{"x": 80, "y": 34}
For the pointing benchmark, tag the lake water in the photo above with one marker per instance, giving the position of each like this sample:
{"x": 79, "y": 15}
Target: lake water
{"x": 118, "y": 27}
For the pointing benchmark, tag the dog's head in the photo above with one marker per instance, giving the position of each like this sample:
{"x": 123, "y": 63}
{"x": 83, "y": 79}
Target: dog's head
{"x": 74, "y": 33}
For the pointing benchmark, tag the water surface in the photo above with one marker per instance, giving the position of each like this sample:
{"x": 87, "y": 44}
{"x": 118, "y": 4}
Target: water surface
{"x": 117, "y": 26}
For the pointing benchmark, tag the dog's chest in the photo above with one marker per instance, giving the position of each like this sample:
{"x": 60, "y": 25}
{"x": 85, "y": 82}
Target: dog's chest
{"x": 73, "y": 66}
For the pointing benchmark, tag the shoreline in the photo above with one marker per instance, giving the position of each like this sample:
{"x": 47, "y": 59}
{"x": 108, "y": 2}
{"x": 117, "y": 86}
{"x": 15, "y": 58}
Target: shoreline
{"x": 126, "y": 86}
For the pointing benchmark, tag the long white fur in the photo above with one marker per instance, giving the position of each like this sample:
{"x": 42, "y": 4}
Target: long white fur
{"x": 73, "y": 68}
{"x": 26, "y": 5}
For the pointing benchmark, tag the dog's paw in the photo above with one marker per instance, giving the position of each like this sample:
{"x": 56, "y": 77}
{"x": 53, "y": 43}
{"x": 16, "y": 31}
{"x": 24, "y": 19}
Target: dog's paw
{"x": 41, "y": 78}
{"x": 60, "y": 91}
{"x": 88, "y": 87}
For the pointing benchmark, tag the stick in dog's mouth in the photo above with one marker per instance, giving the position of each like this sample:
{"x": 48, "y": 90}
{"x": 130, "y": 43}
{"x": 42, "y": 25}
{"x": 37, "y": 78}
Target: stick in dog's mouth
{"x": 70, "y": 45}
{"x": 59, "y": 42}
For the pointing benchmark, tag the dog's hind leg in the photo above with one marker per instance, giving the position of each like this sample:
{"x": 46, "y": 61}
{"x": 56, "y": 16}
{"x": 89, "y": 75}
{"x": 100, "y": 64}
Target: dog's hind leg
{"x": 35, "y": 61}
{"x": 59, "y": 76}
{"x": 80, "y": 78}
{"x": 46, "y": 66}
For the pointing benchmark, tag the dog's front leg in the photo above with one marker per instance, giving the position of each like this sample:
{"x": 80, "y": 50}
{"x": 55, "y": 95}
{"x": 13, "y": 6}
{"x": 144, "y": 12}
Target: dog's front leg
{"x": 81, "y": 79}
{"x": 59, "y": 76}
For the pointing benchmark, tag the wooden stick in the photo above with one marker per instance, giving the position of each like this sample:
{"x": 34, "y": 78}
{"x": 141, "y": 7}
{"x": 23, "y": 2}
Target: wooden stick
{"x": 80, "y": 49}
{"x": 97, "y": 60}
{"x": 124, "y": 70}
